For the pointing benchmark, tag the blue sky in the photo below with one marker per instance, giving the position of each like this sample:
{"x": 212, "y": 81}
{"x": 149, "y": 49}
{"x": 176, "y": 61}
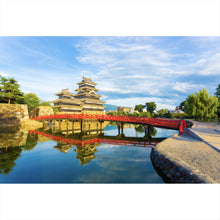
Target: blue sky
{"x": 128, "y": 70}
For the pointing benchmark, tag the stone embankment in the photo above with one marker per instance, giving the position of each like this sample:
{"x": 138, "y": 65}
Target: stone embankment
{"x": 16, "y": 115}
{"x": 193, "y": 157}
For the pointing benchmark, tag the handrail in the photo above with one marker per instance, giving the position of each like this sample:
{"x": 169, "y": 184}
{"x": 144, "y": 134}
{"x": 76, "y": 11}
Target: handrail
{"x": 171, "y": 123}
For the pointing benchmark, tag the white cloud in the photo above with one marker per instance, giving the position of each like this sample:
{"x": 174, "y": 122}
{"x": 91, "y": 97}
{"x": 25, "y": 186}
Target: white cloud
{"x": 4, "y": 74}
{"x": 131, "y": 102}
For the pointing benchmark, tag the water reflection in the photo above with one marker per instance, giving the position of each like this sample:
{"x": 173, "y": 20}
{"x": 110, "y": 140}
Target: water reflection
{"x": 8, "y": 156}
{"x": 85, "y": 145}
{"x": 59, "y": 156}
{"x": 12, "y": 143}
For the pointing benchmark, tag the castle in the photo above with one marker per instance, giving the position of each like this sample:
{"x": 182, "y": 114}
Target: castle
{"x": 86, "y": 100}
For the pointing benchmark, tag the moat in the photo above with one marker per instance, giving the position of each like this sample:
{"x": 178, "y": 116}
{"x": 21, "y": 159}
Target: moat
{"x": 44, "y": 156}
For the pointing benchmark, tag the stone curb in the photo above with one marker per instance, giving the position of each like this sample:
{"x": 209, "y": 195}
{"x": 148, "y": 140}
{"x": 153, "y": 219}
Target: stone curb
{"x": 193, "y": 134}
{"x": 175, "y": 169}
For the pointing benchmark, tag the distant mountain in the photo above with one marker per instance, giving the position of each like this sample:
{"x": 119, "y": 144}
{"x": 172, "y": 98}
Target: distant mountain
{"x": 110, "y": 107}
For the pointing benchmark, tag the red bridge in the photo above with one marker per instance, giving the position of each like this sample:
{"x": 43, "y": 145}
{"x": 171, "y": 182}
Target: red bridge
{"x": 157, "y": 122}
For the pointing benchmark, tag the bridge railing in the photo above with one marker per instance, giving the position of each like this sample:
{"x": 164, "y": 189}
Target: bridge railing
{"x": 170, "y": 123}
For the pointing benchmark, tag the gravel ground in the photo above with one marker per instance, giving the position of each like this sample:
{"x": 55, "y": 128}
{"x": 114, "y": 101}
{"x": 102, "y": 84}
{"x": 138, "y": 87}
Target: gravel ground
{"x": 199, "y": 156}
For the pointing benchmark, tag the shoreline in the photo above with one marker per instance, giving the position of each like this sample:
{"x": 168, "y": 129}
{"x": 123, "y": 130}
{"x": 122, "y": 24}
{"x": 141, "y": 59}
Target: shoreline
{"x": 190, "y": 158}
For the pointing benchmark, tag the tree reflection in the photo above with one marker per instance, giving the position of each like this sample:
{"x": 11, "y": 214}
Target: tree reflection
{"x": 8, "y": 156}
{"x": 31, "y": 142}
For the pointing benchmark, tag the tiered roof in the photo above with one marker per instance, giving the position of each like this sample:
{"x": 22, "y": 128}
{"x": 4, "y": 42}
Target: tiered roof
{"x": 66, "y": 101}
{"x": 65, "y": 92}
{"x": 86, "y": 81}
{"x": 86, "y": 98}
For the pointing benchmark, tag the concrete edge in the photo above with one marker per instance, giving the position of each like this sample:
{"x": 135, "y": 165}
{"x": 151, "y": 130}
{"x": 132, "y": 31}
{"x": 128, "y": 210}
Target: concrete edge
{"x": 164, "y": 160}
{"x": 176, "y": 170}
{"x": 193, "y": 134}
{"x": 218, "y": 130}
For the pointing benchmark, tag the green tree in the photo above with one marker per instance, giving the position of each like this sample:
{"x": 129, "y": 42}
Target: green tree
{"x": 168, "y": 115}
{"x": 202, "y": 106}
{"x": 182, "y": 106}
{"x": 9, "y": 91}
{"x": 151, "y": 106}
{"x": 45, "y": 103}
{"x": 31, "y": 100}
{"x": 162, "y": 112}
{"x": 139, "y": 108}
{"x": 217, "y": 94}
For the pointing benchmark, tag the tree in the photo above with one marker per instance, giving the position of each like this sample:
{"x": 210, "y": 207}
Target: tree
{"x": 45, "y": 103}
{"x": 162, "y": 112}
{"x": 202, "y": 106}
{"x": 139, "y": 108}
{"x": 182, "y": 106}
{"x": 9, "y": 91}
{"x": 31, "y": 100}
{"x": 151, "y": 106}
{"x": 217, "y": 94}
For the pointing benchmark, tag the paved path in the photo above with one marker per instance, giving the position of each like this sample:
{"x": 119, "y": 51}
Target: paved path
{"x": 200, "y": 157}
{"x": 209, "y": 132}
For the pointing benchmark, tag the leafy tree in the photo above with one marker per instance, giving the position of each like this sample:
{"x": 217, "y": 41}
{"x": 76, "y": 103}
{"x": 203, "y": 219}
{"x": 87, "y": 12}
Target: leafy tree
{"x": 202, "y": 106}
{"x": 217, "y": 94}
{"x": 178, "y": 115}
{"x": 9, "y": 91}
{"x": 168, "y": 115}
{"x": 139, "y": 108}
{"x": 45, "y": 103}
{"x": 182, "y": 106}
{"x": 151, "y": 106}
{"x": 120, "y": 113}
{"x": 136, "y": 114}
{"x": 31, "y": 100}
{"x": 162, "y": 112}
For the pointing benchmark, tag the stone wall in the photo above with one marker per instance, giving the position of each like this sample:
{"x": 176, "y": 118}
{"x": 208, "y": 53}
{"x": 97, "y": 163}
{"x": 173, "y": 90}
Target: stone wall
{"x": 13, "y": 114}
{"x": 41, "y": 111}
{"x": 172, "y": 172}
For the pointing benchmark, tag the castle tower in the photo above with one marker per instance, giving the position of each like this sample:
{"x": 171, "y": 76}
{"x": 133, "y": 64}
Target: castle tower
{"x": 90, "y": 100}
{"x": 66, "y": 103}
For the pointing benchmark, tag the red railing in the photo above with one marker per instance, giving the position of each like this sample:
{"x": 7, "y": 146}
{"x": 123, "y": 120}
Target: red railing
{"x": 169, "y": 123}
{"x": 95, "y": 140}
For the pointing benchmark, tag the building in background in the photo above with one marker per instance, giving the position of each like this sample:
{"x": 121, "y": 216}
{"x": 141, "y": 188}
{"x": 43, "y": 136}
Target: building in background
{"x": 177, "y": 110}
{"x": 85, "y": 101}
{"x": 66, "y": 103}
{"x": 125, "y": 110}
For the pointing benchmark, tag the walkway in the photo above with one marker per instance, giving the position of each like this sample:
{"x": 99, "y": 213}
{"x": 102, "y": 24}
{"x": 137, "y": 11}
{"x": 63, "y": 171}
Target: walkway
{"x": 199, "y": 158}
{"x": 209, "y": 132}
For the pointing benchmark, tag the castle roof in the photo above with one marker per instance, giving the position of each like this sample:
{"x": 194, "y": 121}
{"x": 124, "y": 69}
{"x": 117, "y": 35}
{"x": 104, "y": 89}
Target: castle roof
{"x": 66, "y": 100}
{"x": 88, "y": 100}
{"x": 85, "y": 88}
{"x": 65, "y": 92}
{"x": 87, "y": 81}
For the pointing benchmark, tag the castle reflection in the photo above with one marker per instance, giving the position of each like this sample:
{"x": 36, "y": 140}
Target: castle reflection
{"x": 14, "y": 142}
